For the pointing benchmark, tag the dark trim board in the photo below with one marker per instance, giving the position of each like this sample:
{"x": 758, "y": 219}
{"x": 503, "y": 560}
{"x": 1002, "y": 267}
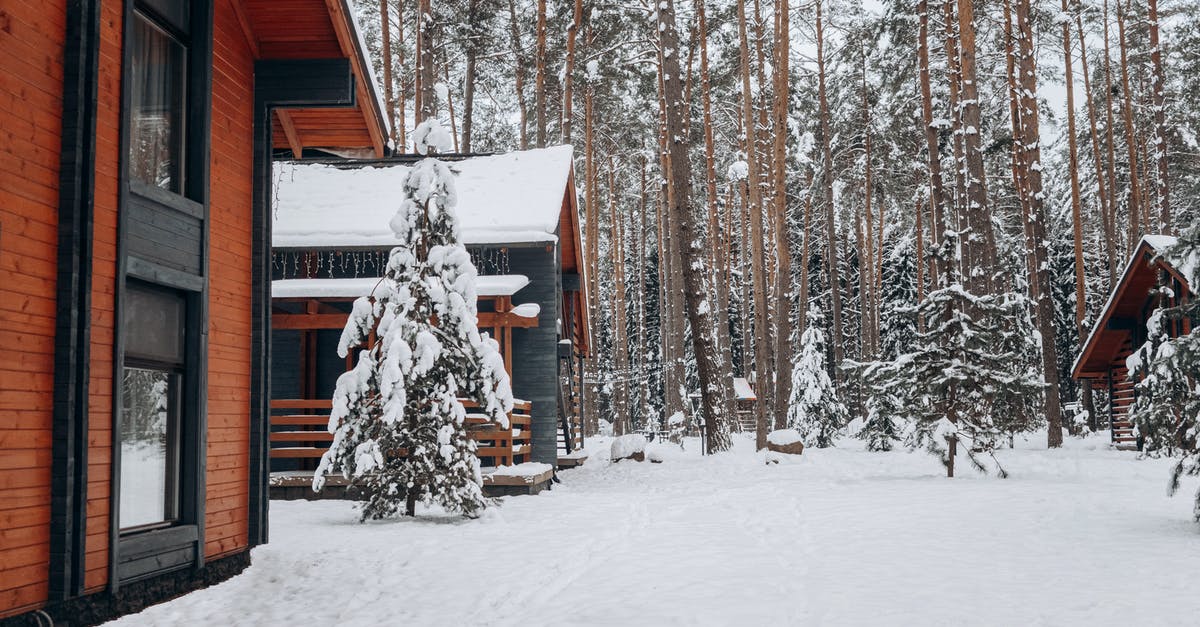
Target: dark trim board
{"x": 72, "y": 340}
{"x": 277, "y": 84}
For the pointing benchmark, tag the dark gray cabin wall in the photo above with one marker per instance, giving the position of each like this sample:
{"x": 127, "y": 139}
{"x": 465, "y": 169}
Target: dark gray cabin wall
{"x": 535, "y": 350}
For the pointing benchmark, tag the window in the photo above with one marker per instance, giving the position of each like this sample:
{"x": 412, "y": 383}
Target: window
{"x": 151, "y": 407}
{"x": 158, "y": 79}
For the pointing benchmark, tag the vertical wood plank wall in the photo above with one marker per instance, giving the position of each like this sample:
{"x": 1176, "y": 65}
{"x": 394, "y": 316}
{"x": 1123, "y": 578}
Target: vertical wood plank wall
{"x": 31, "y": 48}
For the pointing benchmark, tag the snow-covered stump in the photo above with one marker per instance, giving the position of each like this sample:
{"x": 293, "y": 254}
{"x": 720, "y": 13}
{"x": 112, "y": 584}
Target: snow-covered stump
{"x": 632, "y": 446}
{"x": 785, "y": 441}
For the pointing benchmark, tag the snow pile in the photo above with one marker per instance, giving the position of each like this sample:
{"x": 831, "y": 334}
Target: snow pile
{"x": 659, "y": 452}
{"x": 676, "y": 418}
{"x": 626, "y": 446}
{"x": 527, "y": 310}
{"x": 784, "y": 437}
{"x": 526, "y": 469}
{"x": 511, "y": 198}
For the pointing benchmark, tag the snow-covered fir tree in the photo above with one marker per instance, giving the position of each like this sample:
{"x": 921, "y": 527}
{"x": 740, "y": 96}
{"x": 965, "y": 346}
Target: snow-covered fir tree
{"x": 814, "y": 409}
{"x": 968, "y": 378}
{"x": 1166, "y": 409}
{"x": 399, "y": 429}
{"x": 897, "y": 325}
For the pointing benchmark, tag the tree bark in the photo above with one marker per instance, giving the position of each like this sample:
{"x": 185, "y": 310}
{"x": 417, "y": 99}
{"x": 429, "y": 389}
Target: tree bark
{"x": 1157, "y": 95}
{"x": 540, "y": 77}
{"x": 426, "y": 104}
{"x": 762, "y": 351}
{"x": 937, "y": 194}
{"x": 831, "y": 258}
{"x": 569, "y": 71}
{"x": 1131, "y": 143}
{"x": 1031, "y": 164}
{"x": 714, "y": 390}
{"x": 783, "y": 278}
{"x": 472, "y": 51}
{"x": 980, "y": 245}
{"x": 519, "y": 73}
{"x": 1102, "y": 190}
{"x": 386, "y": 34}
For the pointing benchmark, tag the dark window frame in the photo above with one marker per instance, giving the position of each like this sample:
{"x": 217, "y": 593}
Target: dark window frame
{"x": 138, "y": 554}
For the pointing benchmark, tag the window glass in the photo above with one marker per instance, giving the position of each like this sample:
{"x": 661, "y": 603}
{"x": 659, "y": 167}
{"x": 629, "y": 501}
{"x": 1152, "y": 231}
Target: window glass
{"x": 157, "y": 81}
{"x": 154, "y": 325}
{"x": 149, "y": 447}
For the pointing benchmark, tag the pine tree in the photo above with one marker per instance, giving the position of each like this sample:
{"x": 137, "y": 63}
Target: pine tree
{"x": 399, "y": 428}
{"x": 1167, "y": 370}
{"x": 814, "y": 408}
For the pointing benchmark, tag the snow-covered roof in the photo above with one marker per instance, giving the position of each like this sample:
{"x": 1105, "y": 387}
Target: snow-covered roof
{"x": 485, "y": 285}
{"x": 502, "y": 199}
{"x": 742, "y": 390}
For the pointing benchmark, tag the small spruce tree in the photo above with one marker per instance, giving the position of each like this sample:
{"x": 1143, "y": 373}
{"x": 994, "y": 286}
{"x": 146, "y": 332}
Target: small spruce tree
{"x": 399, "y": 429}
{"x": 814, "y": 409}
{"x": 967, "y": 381}
{"x": 1166, "y": 409}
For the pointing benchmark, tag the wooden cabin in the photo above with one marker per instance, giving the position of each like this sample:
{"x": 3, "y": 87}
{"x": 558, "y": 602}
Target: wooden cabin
{"x": 1120, "y": 330}
{"x": 519, "y": 220}
{"x": 134, "y": 281}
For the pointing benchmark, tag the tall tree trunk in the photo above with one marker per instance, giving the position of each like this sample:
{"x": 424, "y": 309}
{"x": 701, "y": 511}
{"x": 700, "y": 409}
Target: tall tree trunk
{"x": 426, "y": 104}
{"x": 1085, "y": 390}
{"x": 519, "y": 73}
{"x": 714, "y": 389}
{"x": 1109, "y": 129}
{"x": 1158, "y": 86}
{"x": 385, "y": 26}
{"x": 937, "y": 194}
{"x": 1102, "y": 190}
{"x": 620, "y": 335}
{"x": 540, "y": 78}
{"x": 402, "y": 123}
{"x": 762, "y": 351}
{"x": 955, "y": 209}
{"x": 1031, "y": 165}
{"x": 868, "y": 262}
{"x": 980, "y": 245}
{"x": 1135, "y": 194}
{"x": 472, "y": 51}
{"x": 783, "y": 279}
{"x": 569, "y": 71}
{"x": 831, "y": 257}
{"x": 450, "y": 107}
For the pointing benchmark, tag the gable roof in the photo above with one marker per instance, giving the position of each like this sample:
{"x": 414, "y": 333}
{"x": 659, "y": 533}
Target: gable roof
{"x": 1126, "y": 300}
{"x": 514, "y": 198}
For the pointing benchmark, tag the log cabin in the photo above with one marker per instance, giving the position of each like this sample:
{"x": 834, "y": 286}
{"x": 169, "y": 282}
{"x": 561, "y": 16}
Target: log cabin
{"x": 1120, "y": 330}
{"x": 135, "y": 281}
{"x": 519, "y": 219}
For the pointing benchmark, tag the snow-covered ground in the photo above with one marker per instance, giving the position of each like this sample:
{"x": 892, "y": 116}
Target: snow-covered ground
{"x": 1082, "y": 535}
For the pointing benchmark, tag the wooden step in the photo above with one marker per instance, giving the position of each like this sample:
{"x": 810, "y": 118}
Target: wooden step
{"x": 294, "y": 452}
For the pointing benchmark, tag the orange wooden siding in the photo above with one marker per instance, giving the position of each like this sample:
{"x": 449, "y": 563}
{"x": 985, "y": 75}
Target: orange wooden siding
{"x": 231, "y": 190}
{"x": 31, "y": 47}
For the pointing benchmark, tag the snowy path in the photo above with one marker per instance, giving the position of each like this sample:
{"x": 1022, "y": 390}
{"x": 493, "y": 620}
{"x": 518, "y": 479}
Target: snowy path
{"x": 841, "y": 537}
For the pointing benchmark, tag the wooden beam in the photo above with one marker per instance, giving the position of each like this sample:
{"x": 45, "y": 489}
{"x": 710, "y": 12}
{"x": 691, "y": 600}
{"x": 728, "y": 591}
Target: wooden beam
{"x": 309, "y": 321}
{"x": 506, "y": 319}
{"x": 348, "y": 41}
{"x": 239, "y": 10}
{"x": 289, "y": 131}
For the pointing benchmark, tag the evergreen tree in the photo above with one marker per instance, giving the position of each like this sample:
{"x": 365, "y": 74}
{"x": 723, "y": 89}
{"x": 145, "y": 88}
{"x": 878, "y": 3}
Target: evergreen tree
{"x": 968, "y": 379}
{"x": 399, "y": 428}
{"x": 898, "y": 328}
{"x": 814, "y": 409}
{"x": 1166, "y": 409}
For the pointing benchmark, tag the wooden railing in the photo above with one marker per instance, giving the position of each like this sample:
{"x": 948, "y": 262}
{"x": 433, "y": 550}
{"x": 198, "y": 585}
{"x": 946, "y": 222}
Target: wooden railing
{"x": 302, "y": 432}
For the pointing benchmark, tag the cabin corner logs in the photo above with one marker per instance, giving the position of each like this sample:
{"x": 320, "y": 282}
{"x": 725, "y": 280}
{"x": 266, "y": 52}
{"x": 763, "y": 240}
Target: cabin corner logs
{"x": 82, "y": 234}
